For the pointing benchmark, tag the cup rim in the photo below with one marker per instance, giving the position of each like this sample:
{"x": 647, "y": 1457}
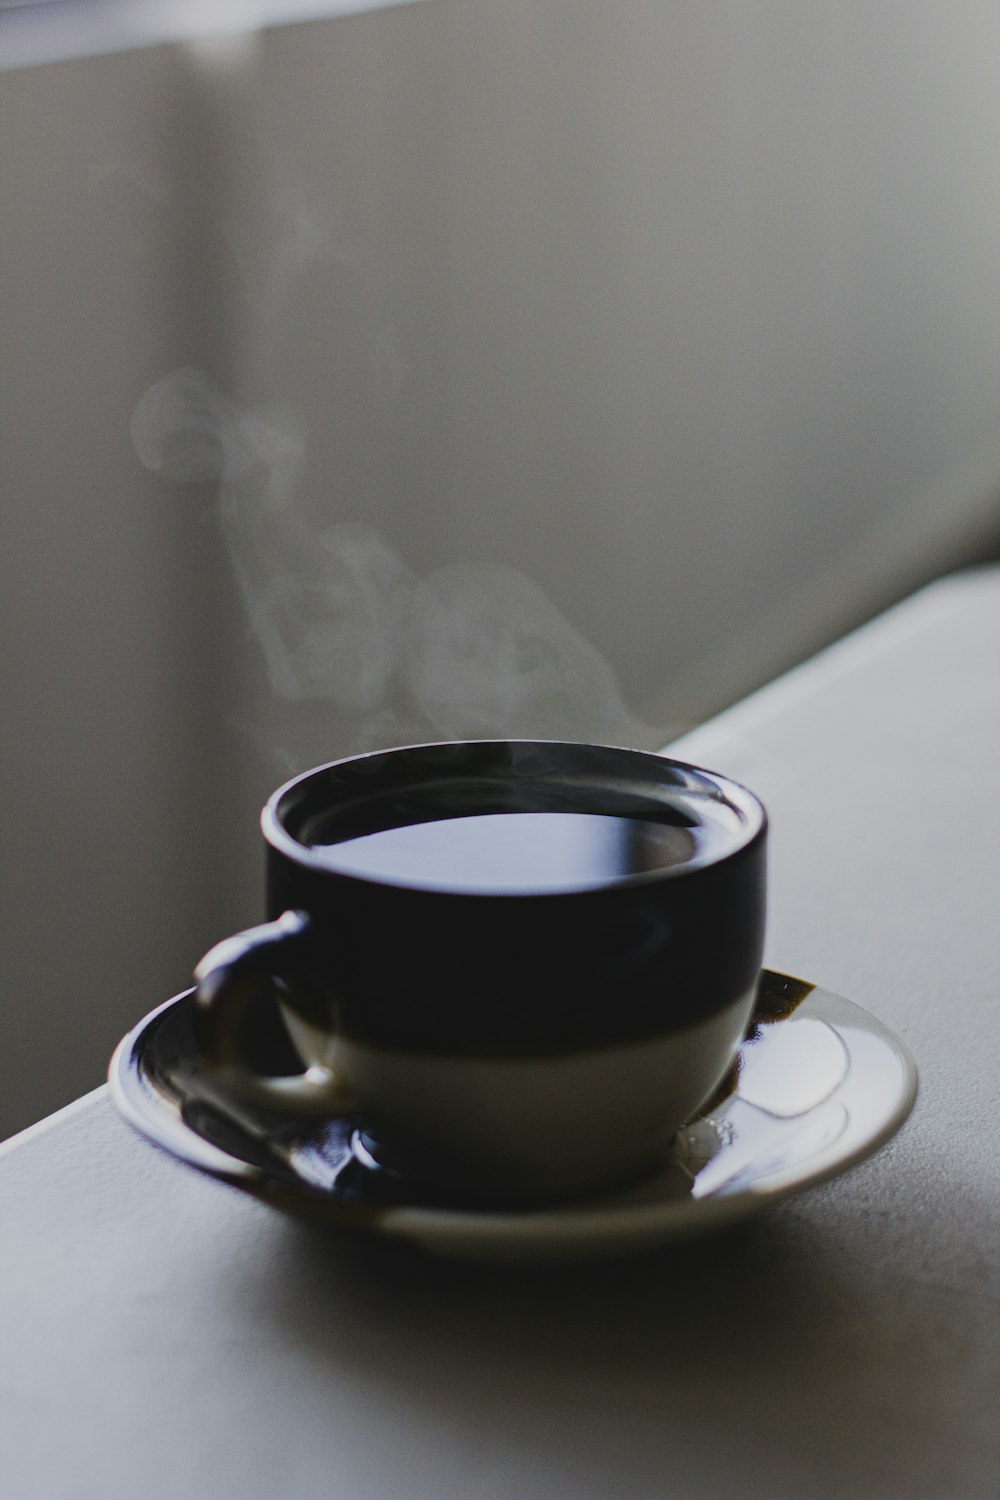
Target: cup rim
{"x": 746, "y": 802}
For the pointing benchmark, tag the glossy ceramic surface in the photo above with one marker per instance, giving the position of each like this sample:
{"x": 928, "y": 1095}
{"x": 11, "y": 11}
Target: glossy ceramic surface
{"x": 819, "y": 1085}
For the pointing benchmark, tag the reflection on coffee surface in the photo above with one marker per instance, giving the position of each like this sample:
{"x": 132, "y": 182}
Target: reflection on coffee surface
{"x": 512, "y": 851}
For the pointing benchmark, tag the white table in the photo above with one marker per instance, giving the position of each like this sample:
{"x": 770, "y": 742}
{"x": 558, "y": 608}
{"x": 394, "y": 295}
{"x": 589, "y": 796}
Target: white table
{"x": 162, "y": 1335}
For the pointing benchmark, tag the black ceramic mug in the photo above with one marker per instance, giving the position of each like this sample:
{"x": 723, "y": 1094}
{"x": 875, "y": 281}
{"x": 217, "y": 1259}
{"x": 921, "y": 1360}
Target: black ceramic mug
{"x": 520, "y": 963}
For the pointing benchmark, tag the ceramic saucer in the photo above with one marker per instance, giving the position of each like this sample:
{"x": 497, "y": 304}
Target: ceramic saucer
{"x": 818, "y": 1086}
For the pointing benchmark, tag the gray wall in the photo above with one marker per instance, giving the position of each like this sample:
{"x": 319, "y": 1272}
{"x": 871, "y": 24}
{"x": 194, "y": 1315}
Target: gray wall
{"x": 547, "y": 368}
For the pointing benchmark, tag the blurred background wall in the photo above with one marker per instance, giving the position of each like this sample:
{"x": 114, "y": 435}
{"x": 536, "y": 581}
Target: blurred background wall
{"x": 461, "y": 368}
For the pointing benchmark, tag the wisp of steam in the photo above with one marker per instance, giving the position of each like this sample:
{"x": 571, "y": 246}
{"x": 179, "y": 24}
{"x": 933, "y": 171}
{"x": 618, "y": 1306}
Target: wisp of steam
{"x": 369, "y": 653}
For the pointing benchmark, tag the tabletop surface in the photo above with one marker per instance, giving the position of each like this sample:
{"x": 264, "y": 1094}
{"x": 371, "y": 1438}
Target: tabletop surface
{"x": 163, "y": 1334}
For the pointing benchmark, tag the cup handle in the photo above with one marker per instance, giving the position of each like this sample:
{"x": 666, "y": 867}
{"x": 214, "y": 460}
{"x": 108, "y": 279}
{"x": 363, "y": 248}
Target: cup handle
{"x": 227, "y": 977}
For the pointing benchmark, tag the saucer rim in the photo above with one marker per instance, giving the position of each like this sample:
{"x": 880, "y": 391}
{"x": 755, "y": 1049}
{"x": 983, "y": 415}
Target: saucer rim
{"x": 581, "y": 1229}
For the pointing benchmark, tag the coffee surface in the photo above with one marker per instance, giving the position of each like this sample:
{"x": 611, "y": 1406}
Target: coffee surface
{"x": 525, "y": 852}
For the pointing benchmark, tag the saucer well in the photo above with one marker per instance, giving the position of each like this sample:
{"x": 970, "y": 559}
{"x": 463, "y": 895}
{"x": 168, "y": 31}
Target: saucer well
{"x": 819, "y": 1085}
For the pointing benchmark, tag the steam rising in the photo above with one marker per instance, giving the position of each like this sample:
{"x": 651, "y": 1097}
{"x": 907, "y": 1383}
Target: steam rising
{"x": 347, "y": 629}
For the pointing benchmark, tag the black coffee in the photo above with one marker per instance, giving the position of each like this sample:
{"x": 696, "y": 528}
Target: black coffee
{"x": 510, "y": 852}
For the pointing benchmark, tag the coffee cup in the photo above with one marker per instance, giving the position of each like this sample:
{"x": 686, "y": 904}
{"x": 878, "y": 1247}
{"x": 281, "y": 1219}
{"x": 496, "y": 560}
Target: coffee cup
{"x": 520, "y": 965}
